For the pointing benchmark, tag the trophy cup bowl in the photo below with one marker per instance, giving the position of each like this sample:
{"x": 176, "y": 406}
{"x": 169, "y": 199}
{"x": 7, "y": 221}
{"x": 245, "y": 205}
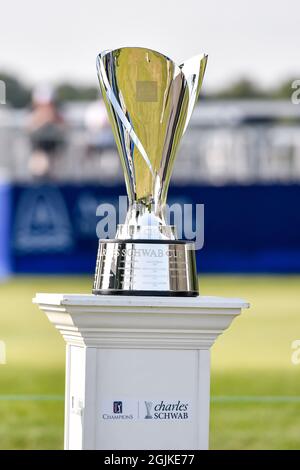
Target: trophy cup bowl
{"x": 149, "y": 100}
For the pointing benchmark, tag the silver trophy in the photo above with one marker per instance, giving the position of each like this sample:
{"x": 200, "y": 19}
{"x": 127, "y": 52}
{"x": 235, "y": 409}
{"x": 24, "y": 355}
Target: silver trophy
{"x": 149, "y": 101}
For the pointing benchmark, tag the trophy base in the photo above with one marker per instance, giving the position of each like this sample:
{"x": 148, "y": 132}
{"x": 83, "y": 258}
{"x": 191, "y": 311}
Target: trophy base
{"x": 143, "y": 267}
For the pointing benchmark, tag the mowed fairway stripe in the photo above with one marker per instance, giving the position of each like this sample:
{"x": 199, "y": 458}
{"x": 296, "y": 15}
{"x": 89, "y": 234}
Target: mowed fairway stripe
{"x": 255, "y": 399}
{"x": 214, "y": 399}
{"x": 31, "y": 397}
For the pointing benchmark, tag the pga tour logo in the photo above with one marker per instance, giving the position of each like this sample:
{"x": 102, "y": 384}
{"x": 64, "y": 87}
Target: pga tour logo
{"x": 118, "y": 407}
{"x": 145, "y": 410}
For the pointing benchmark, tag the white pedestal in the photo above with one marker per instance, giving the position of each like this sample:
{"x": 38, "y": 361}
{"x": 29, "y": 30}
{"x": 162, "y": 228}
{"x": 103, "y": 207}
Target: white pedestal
{"x": 132, "y": 357}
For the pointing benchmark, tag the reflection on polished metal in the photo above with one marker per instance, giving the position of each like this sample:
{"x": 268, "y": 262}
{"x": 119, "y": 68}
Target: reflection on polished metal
{"x": 149, "y": 100}
{"x": 153, "y": 268}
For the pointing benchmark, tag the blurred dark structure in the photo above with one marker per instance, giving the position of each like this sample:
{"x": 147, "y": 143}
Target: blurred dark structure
{"x": 46, "y": 128}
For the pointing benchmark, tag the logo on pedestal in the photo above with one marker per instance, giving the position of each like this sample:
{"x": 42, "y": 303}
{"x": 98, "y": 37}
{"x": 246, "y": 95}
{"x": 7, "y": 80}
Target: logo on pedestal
{"x": 148, "y": 405}
{"x": 118, "y": 407}
{"x": 155, "y": 410}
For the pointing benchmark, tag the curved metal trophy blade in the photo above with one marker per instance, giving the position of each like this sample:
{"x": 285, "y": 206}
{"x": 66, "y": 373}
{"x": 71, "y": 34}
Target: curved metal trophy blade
{"x": 149, "y": 101}
{"x": 193, "y": 70}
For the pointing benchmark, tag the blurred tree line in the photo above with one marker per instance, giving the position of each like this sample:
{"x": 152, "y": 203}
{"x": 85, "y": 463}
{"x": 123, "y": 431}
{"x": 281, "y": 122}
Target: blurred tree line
{"x": 247, "y": 89}
{"x": 18, "y": 95}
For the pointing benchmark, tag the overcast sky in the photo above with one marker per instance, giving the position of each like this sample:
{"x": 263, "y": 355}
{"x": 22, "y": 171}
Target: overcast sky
{"x": 59, "y": 39}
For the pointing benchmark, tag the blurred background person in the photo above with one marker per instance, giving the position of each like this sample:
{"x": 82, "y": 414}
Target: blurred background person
{"x": 99, "y": 133}
{"x": 46, "y": 129}
{"x": 101, "y": 147}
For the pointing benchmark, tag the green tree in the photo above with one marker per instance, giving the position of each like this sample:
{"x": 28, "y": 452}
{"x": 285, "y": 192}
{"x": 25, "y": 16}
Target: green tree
{"x": 242, "y": 89}
{"x": 17, "y": 94}
{"x": 70, "y": 92}
{"x": 285, "y": 90}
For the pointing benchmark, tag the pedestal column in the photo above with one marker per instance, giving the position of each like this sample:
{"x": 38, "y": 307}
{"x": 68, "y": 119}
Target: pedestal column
{"x": 138, "y": 368}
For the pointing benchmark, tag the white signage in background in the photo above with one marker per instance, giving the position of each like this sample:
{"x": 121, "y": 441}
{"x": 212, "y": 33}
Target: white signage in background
{"x": 152, "y": 410}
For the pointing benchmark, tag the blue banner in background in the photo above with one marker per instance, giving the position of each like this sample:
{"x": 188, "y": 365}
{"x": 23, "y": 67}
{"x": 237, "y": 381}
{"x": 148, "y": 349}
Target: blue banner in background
{"x": 251, "y": 229}
{"x": 5, "y": 229}
{"x": 54, "y": 227}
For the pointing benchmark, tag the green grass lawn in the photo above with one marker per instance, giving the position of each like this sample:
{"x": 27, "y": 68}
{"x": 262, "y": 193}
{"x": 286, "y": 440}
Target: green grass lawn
{"x": 255, "y": 387}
